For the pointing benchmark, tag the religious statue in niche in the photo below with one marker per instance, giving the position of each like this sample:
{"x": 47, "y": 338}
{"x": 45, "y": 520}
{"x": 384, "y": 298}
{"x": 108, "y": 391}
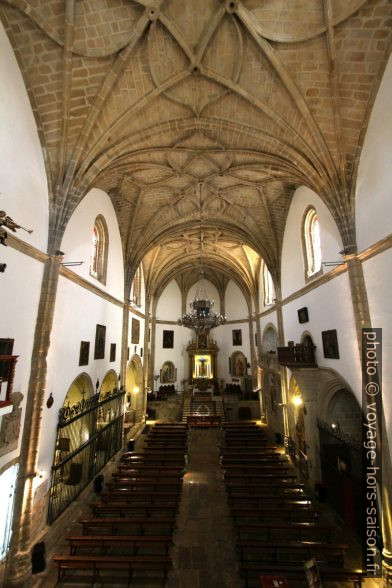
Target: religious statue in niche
{"x": 168, "y": 373}
{"x": 10, "y": 425}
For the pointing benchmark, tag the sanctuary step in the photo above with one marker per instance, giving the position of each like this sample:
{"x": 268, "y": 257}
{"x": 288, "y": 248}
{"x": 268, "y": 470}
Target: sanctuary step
{"x": 202, "y": 404}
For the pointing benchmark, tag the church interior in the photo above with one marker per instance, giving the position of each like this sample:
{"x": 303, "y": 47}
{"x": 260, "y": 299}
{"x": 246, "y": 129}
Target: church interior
{"x": 195, "y": 326}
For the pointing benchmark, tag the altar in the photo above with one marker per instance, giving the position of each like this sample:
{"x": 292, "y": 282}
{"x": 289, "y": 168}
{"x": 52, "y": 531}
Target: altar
{"x": 202, "y": 354}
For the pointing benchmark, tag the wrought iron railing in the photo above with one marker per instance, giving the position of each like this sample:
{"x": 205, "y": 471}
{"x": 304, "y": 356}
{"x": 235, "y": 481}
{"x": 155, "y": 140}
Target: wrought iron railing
{"x": 88, "y": 435}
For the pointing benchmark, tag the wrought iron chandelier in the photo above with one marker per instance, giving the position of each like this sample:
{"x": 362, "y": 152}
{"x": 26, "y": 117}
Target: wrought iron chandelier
{"x": 201, "y": 318}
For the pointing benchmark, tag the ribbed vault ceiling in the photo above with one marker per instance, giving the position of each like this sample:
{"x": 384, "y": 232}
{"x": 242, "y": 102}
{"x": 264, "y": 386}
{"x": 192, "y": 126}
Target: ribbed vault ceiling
{"x": 201, "y": 113}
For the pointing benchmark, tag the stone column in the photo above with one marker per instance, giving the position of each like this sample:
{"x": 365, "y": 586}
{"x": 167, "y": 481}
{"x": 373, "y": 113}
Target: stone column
{"x": 152, "y": 356}
{"x": 282, "y": 369}
{"x": 124, "y": 342}
{"x": 145, "y": 354}
{"x": 358, "y": 296}
{"x": 253, "y": 357}
{"x": 18, "y": 564}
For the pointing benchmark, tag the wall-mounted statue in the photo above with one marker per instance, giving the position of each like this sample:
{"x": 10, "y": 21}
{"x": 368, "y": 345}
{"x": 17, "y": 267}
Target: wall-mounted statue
{"x": 6, "y": 222}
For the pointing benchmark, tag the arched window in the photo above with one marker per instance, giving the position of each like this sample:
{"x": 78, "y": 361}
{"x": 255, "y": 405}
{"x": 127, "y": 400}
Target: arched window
{"x": 312, "y": 245}
{"x": 136, "y": 294}
{"x": 99, "y": 250}
{"x": 268, "y": 287}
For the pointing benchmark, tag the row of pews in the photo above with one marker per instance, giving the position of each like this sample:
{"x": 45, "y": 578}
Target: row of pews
{"x": 277, "y": 525}
{"x": 129, "y": 535}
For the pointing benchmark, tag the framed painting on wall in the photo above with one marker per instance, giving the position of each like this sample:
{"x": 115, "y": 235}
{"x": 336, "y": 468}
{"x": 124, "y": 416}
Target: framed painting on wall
{"x": 237, "y": 337}
{"x": 84, "y": 352}
{"x": 135, "y": 331}
{"x": 168, "y": 339}
{"x": 100, "y": 336}
{"x": 330, "y": 344}
{"x": 303, "y": 315}
{"x": 112, "y": 352}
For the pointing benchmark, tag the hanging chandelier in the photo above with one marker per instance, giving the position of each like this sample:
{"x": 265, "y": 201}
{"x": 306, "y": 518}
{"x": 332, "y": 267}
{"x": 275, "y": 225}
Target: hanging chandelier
{"x": 201, "y": 318}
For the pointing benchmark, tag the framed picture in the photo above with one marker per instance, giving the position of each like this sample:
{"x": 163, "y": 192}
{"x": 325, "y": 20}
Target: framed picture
{"x": 112, "y": 352}
{"x": 135, "y": 331}
{"x": 330, "y": 344}
{"x": 84, "y": 352}
{"x": 141, "y": 351}
{"x": 237, "y": 337}
{"x": 202, "y": 341}
{"x": 168, "y": 339}
{"x": 127, "y": 353}
{"x": 303, "y": 316}
{"x": 100, "y": 336}
{"x": 230, "y": 365}
{"x": 256, "y": 340}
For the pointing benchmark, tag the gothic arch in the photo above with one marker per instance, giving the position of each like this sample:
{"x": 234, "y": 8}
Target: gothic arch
{"x": 81, "y": 387}
{"x": 134, "y": 384}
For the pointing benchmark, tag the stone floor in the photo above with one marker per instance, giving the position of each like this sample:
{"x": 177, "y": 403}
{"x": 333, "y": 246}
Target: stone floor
{"x": 204, "y": 554}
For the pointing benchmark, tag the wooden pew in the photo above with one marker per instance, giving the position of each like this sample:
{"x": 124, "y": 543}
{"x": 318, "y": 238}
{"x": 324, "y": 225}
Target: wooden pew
{"x": 260, "y": 498}
{"x": 145, "y": 486}
{"x": 139, "y": 510}
{"x": 94, "y": 566}
{"x": 294, "y": 552}
{"x": 290, "y": 531}
{"x": 278, "y": 487}
{"x": 115, "y": 525}
{"x": 110, "y": 542}
{"x": 252, "y": 571}
{"x": 139, "y": 497}
{"x": 295, "y": 513}
{"x": 250, "y": 476}
{"x": 143, "y": 468}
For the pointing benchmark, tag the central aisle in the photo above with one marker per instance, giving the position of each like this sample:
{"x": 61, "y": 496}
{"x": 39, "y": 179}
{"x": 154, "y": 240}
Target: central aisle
{"x": 204, "y": 553}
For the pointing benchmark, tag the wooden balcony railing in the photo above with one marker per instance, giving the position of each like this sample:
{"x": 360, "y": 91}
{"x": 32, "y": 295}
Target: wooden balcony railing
{"x": 300, "y": 356}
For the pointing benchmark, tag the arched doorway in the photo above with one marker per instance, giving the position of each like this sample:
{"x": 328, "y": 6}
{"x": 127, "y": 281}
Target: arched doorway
{"x": 134, "y": 388}
{"x": 340, "y": 430}
{"x": 297, "y": 431}
{"x": 109, "y": 383}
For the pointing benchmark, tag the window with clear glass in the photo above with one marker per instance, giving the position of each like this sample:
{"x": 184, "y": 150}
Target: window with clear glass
{"x": 7, "y": 492}
{"x": 311, "y": 237}
{"x": 99, "y": 250}
{"x": 268, "y": 287}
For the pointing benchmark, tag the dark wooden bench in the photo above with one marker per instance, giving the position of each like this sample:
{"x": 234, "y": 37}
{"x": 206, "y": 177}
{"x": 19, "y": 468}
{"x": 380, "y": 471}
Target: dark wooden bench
{"x": 147, "y": 486}
{"x": 127, "y": 510}
{"x": 145, "y": 468}
{"x": 108, "y": 542}
{"x": 253, "y": 570}
{"x": 292, "y": 514}
{"x": 260, "y": 499}
{"x": 140, "y": 496}
{"x": 168, "y": 453}
{"x": 292, "y": 531}
{"x": 140, "y": 477}
{"x": 260, "y": 466}
{"x": 95, "y": 564}
{"x": 113, "y": 525}
{"x": 296, "y": 552}
{"x": 249, "y": 476}
{"x": 278, "y": 487}
{"x": 163, "y": 459}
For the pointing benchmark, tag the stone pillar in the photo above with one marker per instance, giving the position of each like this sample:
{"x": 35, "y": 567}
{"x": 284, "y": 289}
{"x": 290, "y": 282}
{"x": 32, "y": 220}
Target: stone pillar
{"x": 18, "y": 564}
{"x": 124, "y": 342}
{"x": 145, "y": 355}
{"x": 358, "y": 296}
{"x": 152, "y": 355}
{"x": 282, "y": 369}
{"x": 253, "y": 357}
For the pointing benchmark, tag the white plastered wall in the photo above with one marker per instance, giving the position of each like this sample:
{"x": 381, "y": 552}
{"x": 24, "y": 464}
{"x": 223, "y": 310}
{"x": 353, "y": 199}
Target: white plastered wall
{"x": 373, "y": 220}
{"x": 24, "y": 196}
{"x": 329, "y": 305}
{"x": 78, "y": 311}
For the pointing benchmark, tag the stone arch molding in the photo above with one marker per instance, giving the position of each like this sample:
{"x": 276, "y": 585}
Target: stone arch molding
{"x": 319, "y": 385}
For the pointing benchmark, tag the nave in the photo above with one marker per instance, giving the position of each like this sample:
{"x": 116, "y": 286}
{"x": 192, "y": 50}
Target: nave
{"x": 212, "y": 507}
